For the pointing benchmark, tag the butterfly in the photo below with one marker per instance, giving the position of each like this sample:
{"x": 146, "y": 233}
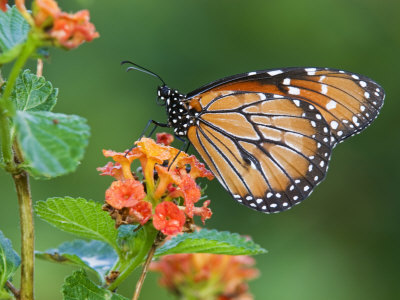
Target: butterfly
{"x": 268, "y": 135}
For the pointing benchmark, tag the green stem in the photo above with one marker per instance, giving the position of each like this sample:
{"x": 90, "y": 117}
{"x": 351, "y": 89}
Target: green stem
{"x": 21, "y": 179}
{"x": 7, "y": 108}
{"x": 127, "y": 269}
{"x": 21, "y": 182}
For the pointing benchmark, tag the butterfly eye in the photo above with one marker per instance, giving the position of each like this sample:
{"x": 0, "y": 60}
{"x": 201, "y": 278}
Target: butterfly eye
{"x": 164, "y": 92}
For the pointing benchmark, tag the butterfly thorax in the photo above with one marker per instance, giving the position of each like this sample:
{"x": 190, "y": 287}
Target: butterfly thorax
{"x": 179, "y": 116}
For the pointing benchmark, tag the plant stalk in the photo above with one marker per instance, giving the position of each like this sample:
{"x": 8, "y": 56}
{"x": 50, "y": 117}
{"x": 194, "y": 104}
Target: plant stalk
{"x": 21, "y": 181}
{"x": 13, "y": 289}
{"x": 146, "y": 265}
{"x": 21, "y": 178}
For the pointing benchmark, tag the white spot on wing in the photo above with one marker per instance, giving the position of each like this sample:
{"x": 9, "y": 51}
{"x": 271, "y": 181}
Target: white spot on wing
{"x": 286, "y": 81}
{"x": 294, "y": 91}
{"x": 363, "y": 83}
{"x": 355, "y": 76}
{"x": 251, "y": 73}
{"x": 324, "y": 89}
{"x": 334, "y": 124}
{"x": 310, "y": 71}
{"x": 297, "y": 102}
{"x": 262, "y": 96}
{"x": 330, "y": 105}
{"x": 276, "y": 72}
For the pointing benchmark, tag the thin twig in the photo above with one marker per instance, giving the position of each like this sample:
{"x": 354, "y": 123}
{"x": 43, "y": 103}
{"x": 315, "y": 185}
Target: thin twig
{"x": 159, "y": 240}
{"x": 13, "y": 289}
{"x": 144, "y": 271}
{"x": 39, "y": 68}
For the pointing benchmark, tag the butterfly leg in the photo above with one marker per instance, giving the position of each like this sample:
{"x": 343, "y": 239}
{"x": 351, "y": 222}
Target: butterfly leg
{"x": 156, "y": 124}
{"x": 186, "y": 145}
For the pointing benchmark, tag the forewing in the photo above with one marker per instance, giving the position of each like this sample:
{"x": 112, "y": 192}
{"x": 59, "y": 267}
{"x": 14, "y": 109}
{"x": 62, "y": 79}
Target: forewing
{"x": 348, "y": 102}
{"x": 267, "y": 150}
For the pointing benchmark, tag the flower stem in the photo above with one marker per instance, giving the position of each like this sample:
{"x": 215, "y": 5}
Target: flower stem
{"x": 146, "y": 265}
{"x": 21, "y": 179}
{"x": 127, "y": 269}
{"x": 13, "y": 289}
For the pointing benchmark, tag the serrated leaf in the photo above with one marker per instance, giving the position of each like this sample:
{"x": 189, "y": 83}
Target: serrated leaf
{"x": 9, "y": 261}
{"x": 79, "y": 287}
{"x": 33, "y": 93}
{"x": 95, "y": 256}
{"x": 52, "y": 144}
{"x": 79, "y": 216}
{"x": 210, "y": 241}
{"x": 13, "y": 29}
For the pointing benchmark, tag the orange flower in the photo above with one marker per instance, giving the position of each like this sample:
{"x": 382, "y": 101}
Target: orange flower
{"x": 125, "y": 160}
{"x": 206, "y": 276}
{"x": 71, "y": 30}
{"x": 169, "y": 219}
{"x": 125, "y": 193}
{"x": 165, "y": 180}
{"x": 3, "y": 5}
{"x": 141, "y": 212}
{"x": 66, "y": 30}
{"x": 197, "y": 169}
{"x": 114, "y": 170}
{"x": 45, "y": 11}
{"x": 204, "y": 212}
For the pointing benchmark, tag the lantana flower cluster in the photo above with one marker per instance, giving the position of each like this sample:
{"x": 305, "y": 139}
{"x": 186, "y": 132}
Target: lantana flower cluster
{"x": 61, "y": 28}
{"x": 206, "y": 276}
{"x": 166, "y": 194}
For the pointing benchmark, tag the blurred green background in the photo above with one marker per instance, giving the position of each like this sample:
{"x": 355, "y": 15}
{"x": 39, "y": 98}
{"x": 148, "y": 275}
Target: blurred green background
{"x": 341, "y": 243}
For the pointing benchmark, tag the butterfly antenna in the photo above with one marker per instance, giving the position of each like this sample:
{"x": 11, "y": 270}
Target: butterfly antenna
{"x": 141, "y": 69}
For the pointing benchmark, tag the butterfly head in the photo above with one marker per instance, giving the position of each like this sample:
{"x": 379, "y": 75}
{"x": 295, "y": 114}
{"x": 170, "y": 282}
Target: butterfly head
{"x": 164, "y": 93}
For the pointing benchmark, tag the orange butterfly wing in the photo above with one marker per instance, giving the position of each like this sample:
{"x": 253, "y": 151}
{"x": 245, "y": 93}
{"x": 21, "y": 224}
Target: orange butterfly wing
{"x": 267, "y": 150}
{"x": 268, "y": 135}
{"x": 348, "y": 102}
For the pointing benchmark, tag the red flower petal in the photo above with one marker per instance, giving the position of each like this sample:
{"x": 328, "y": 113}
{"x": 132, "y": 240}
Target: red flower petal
{"x": 204, "y": 212}
{"x": 168, "y": 218}
{"x": 3, "y": 5}
{"x": 114, "y": 170}
{"x": 141, "y": 212}
{"x": 164, "y": 138}
{"x": 124, "y": 193}
{"x": 71, "y": 30}
{"x": 197, "y": 169}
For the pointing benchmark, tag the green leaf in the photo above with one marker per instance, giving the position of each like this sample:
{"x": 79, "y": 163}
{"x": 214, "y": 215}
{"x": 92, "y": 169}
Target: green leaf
{"x": 13, "y": 32}
{"x": 52, "y": 144}
{"x": 95, "y": 256}
{"x": 79, "y": 216}
{"x": 79, "y": 287}
{"x": 33, "y": 93}
{"x": 210, "y": 241}
{"x": 9, "y": 262}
